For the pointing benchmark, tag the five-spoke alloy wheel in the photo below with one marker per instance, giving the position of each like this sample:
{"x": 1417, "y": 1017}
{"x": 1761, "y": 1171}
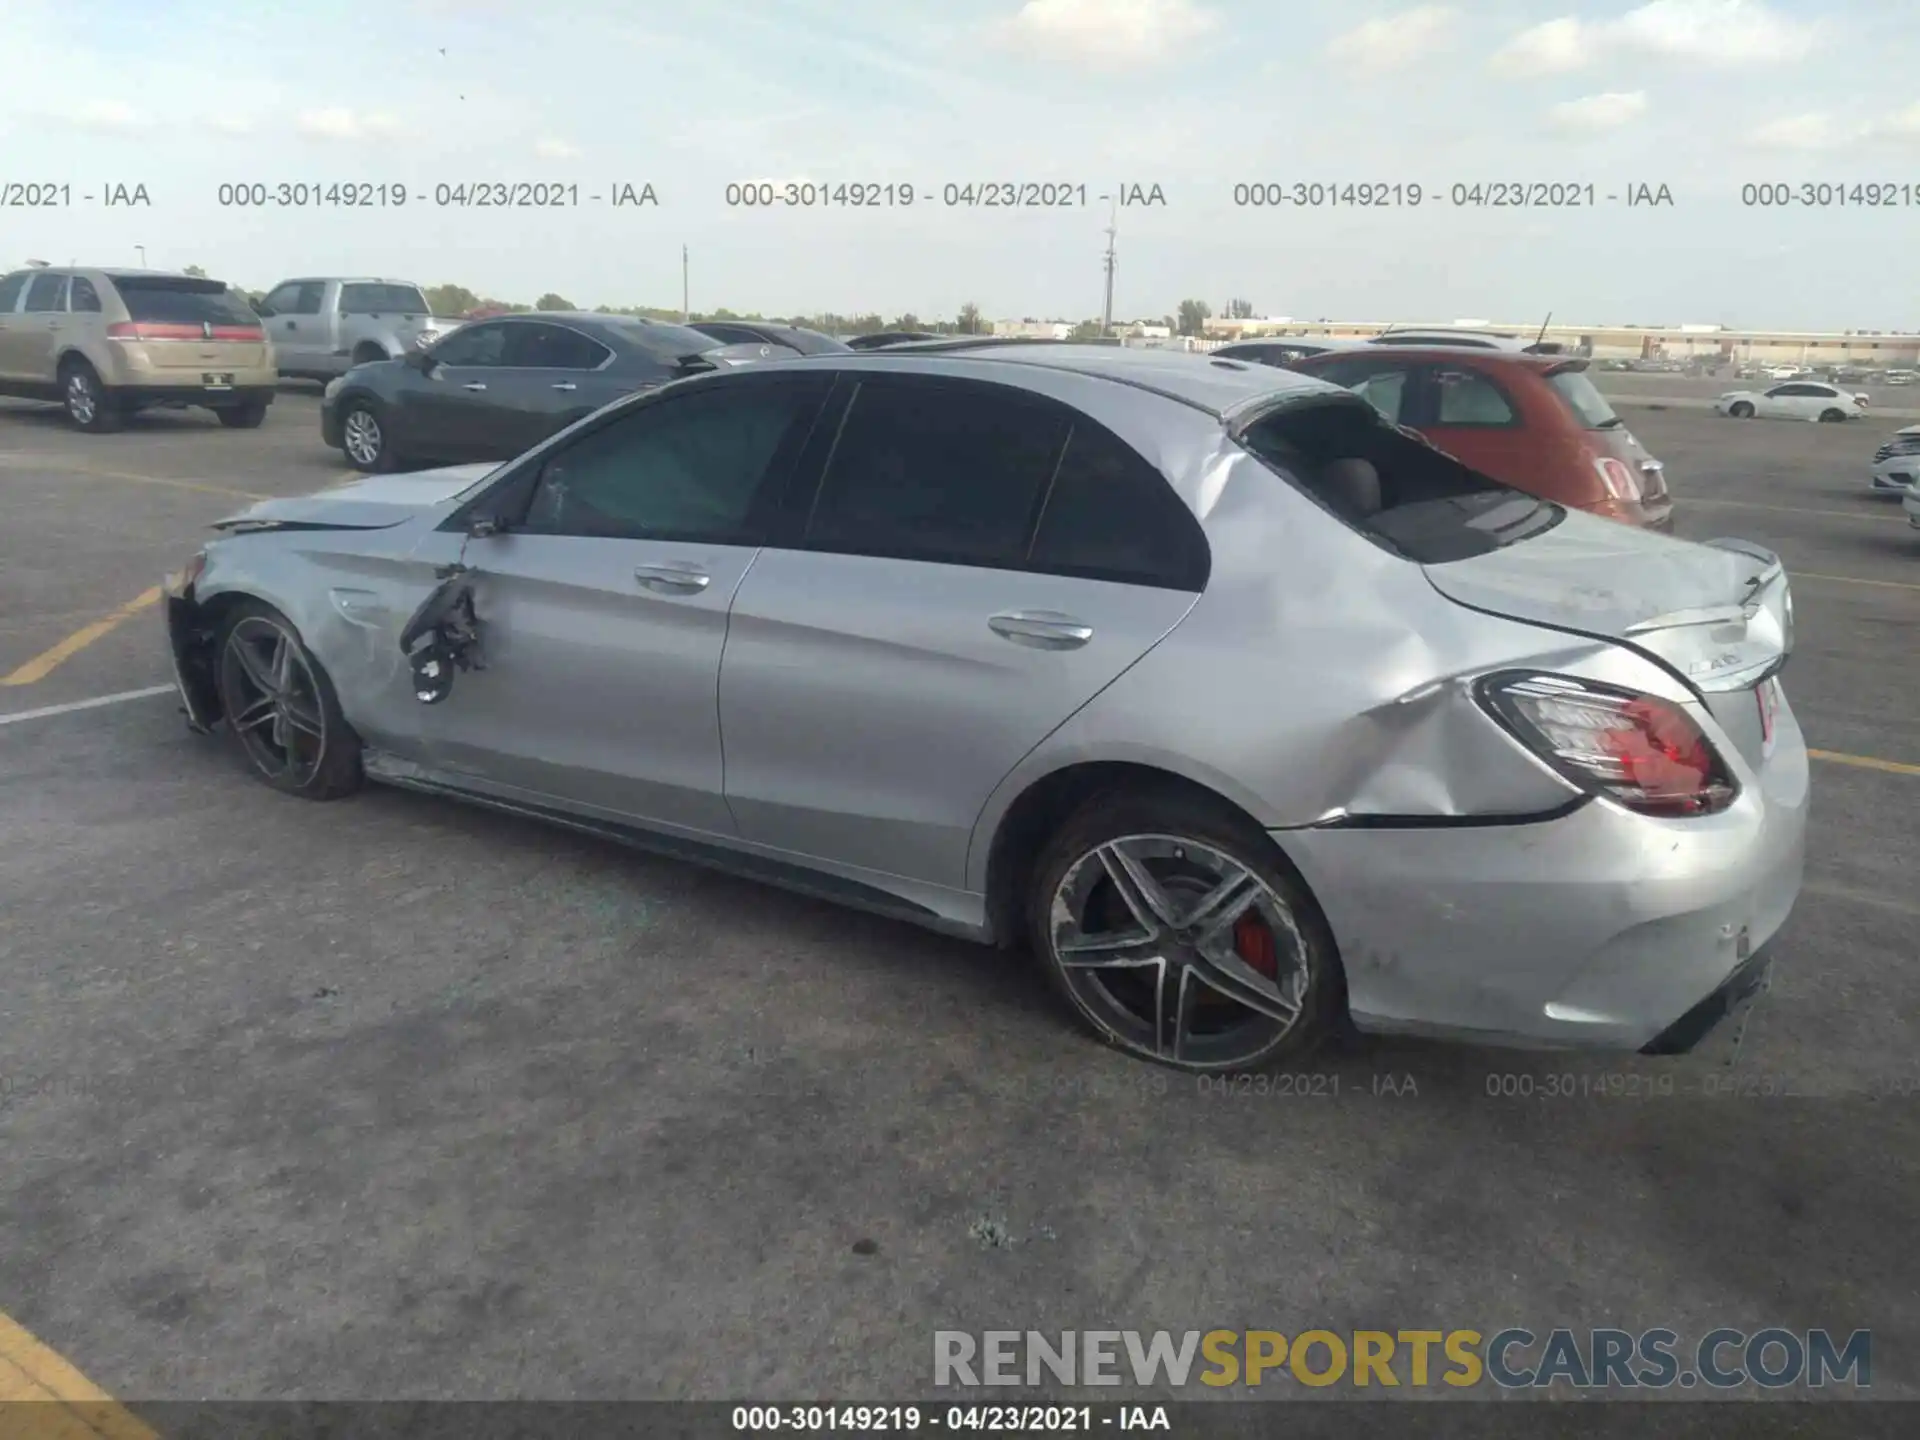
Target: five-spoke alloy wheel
{"x": 1180, "y": 939}
{"x": 281, "y": 709}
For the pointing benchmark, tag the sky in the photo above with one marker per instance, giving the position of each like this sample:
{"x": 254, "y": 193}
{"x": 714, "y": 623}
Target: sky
{"x": 1704, "y": 97}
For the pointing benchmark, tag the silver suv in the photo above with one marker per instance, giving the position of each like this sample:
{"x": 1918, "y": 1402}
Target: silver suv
{"x": 323, "y": 327}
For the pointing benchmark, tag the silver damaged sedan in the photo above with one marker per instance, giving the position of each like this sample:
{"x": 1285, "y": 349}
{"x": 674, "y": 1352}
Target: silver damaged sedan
{"x": 1248, "y": 714}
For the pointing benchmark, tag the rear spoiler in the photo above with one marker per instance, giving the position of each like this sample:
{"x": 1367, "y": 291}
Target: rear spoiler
{"x": 1754, "y": 629}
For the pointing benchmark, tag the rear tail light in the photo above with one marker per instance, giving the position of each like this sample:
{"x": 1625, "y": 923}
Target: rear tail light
{"x": 1639, "y": 751}
{"x": 1621, "y": 482}
{"x": 147, "y": 330}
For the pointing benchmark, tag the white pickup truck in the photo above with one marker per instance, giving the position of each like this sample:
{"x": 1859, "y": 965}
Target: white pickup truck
{"x": 323, "y": 327}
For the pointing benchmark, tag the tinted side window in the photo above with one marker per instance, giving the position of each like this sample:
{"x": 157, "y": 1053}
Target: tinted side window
{"x": 82, "y": 298}
{"x": 1111, "y": 516}
{"x": 10, "y": 289}
{"x": 552, "y": 347}
{"x": 1466, "y": 397}
{"x": 690, "y": 468}
{"x": 280, "y": 300}
{"x": 45, "y": 292}
{"x": 943, "y": 471}
{"x": 731, "y": 335}
{"x": 474, "y": 345}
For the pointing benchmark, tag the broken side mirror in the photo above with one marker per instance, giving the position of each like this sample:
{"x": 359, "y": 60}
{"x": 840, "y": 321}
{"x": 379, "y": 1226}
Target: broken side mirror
{"x": 442, "y": 638}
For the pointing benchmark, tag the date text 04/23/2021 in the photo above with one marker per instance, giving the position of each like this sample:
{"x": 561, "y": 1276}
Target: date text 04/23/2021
{"x": 993, "y": 1419}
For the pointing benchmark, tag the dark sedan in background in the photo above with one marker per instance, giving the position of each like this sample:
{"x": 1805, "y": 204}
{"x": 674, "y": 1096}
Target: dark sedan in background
{"x": 880, "y": 339}
{"x": 495, "y": 388}
{"x": 797, "y": 338}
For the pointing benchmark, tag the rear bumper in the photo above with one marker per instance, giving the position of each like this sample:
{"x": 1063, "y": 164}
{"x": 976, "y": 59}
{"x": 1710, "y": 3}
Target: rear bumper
{"x": 145, "y": 394}
{"x": 1599, "y": 929}
{"x": 1729, "y": 1001}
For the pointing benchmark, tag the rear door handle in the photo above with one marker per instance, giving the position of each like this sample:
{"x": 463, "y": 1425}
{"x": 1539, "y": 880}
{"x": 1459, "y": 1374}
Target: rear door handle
{"x": 565, "y": 385}
{"x": 672, "y": 579}
{"x": 1041, "y": 629}
{"x": 474, "y": 385}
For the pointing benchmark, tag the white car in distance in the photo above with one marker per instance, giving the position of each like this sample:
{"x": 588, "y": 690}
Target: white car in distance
{"x": 1795, "y": 400}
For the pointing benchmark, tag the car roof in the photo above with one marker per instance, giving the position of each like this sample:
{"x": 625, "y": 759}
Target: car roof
{"x": 1221, "y": 388}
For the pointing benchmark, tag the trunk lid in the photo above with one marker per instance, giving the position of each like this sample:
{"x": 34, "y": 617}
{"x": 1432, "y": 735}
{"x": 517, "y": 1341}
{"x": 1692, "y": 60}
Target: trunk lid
{"x": 1720, "y": 614}
{"x": 374, "y": 503}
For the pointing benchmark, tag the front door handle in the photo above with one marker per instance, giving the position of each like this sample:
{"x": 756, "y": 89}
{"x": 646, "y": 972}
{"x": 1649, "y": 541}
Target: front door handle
{"x": 289, "y": 324}
{"x": 474, "y": 385}
{"x": 672, "y": 579}
{"x": 565, "y": 385}
{"x": 1041, "y": 629}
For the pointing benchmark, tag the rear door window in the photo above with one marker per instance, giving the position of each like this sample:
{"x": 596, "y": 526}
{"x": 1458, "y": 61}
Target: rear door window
{"x": 946, "y": 471}
{"x": 553, "y": 347}
{"x": 1110, "y": 515}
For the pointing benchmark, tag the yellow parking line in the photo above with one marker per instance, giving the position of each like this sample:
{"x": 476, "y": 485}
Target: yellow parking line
{"x": 58, "y": 1400}
{"x": 47, "y": 661}
{"x": 1854, "y": 580}
{"x": 1865, "y": 762}
{"x": 166, "y": 482}
{"x": 1793, "y": 509}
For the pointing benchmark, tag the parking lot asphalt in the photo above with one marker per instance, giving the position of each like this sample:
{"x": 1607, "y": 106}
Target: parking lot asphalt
{"x": 392, "y": 1098}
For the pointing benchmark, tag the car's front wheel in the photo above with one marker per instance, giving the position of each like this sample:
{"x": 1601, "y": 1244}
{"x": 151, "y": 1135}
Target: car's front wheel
{"x": 280, "y": 706}
{"x": 1178, "y": 932}
{"x": 1740, "y": 410}
{"x": 363, "y": 436}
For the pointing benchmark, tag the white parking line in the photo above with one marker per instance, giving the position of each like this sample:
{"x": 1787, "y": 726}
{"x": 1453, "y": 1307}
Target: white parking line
{"x": 46, "y": 711}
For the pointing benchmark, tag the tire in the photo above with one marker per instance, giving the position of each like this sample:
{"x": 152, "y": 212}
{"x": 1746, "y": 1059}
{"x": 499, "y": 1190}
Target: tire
{"x": 363, "y": 438}
{"x": 1833, "y": 417}
{"x": 90, "y": 406}
{"x": 1278, "y": 953}
{"x": 280, "y": 707}
{"x": 1740, "y": 410}
{"x": 243, "y": 417}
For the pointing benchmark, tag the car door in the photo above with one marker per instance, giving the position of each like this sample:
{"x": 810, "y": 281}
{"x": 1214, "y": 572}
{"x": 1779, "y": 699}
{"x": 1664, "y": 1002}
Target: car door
{"x": 445, "y": 411}
{"x": 36, "y": 335}
{"x": 1781, "y": 402}
{"x": 550, "y": 376}
{"x": 961, "y": 579}
{"x": 12, "y": 290}
{"x": 299, "y": 331}
{"x": 603, "y": 607}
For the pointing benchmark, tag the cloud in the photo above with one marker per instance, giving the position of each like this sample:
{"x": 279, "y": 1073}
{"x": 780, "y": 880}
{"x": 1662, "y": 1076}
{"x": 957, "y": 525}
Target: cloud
{"x": 228, "y": 124}
{"x": 1901, "y": 125}
{"x": 338, "y": 123}
{"x": 1106, "y": 34}
{"x": 556, "y": 150}
{"x": 1552, "y": 48}
{"x": 1394, "y": 41}
{"x": 1725, "y": 34}
{"x": 1811, "y": 131}
{"x": 1593, "y": 114}
{"x": 1714, "y": 32}
{"x": 108, "y": 117}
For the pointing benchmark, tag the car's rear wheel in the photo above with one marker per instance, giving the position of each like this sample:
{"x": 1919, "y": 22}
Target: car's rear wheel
{"x": 249, "y": 416}
{"x": 363, "y": 436}
{"x": 87, "y": 402}
{"x": 280, "y": 706}
{"x": 1179, "y": 933}
{"x": 1832, "y": 417}
{"x": 1740, "y": 410}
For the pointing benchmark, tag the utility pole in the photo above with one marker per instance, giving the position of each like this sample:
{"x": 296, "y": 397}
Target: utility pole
{"x": 685, "y": 313}
{"x": 1113, "y": 228}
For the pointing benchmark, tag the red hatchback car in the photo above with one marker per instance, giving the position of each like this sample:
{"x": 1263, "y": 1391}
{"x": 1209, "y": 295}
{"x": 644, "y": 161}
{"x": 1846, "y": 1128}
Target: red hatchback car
{"x": 1534, "y": 422}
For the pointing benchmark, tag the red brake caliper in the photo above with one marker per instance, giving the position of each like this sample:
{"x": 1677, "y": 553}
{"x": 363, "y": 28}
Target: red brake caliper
{"x": 1253, "y": 942}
